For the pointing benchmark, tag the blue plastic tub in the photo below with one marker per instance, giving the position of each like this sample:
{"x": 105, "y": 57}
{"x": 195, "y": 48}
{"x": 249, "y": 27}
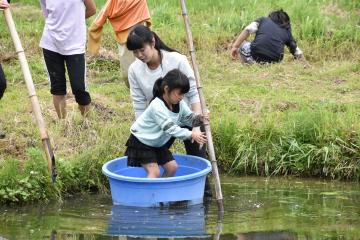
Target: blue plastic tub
{"x": 130, "y": 187}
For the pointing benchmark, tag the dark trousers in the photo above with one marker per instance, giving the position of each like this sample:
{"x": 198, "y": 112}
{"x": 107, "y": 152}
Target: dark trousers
{"x": 75, "y": 65}
{"x": 193, "y": 148}
{"x": 2, "y": 82}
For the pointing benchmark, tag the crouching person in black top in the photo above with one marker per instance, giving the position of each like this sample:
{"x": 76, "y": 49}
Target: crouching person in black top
{"x": 271, "y": 34}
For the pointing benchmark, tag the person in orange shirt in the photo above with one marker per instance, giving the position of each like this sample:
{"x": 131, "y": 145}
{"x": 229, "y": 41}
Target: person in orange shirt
{"x": 123, "y": 15}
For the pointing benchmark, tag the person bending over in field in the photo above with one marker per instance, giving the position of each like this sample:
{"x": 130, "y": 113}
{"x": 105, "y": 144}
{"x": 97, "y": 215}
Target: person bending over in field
{"x": 271, "y": 34}
{"x": 152, "y": 131}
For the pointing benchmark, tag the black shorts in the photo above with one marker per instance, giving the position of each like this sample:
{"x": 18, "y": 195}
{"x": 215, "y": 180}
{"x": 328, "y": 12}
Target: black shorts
{"x": 139, "y": 153}
{"x": 2, "y": 82}
{"x": 75, "y": 65}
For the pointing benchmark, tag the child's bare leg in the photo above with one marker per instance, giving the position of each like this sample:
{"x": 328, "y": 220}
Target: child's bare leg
{"x": 60, "y": 105}
{"x": 170, "y": 168}
{"x": 152, "y": 170}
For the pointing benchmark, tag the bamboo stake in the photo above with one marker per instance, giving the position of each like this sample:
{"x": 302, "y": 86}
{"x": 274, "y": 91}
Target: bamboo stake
{"x": 211, "y": 150}
{"x": 32, "y": 94}
{"x": 219, "y": 226}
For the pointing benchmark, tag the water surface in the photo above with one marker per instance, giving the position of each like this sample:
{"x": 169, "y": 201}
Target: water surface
{"x": 255, "y": 208}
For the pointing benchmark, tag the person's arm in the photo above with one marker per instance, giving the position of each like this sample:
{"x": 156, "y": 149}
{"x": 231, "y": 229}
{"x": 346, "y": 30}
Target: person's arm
{"x": 190, "y": 118}
{"x": 194, "y": 120}
{"x": 251, "y": 28}
{"x": 293, "y": 48}
{"x": 236, "y": 45}
{"x": 296, "y": 51}
{"x": 90, "y": 8}
{"x": 4, "y": 4}
{"x": 196, "y": 107}
{"x": 159, "y": 113}
{"x": 193, "y": 94}
{"x": 137, "y": 94}
{"x": 96, "y": 28}
{"x": 43, "y": 8}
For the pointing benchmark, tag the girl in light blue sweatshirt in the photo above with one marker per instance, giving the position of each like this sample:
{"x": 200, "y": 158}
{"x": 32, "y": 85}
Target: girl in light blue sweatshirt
{"x": 163, "y": 120}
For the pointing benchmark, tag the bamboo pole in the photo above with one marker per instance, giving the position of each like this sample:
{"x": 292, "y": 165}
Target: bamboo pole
{"x": 32, "y": 94}
{"x": 219, "y": 197}
{"x": 219, "y": 226}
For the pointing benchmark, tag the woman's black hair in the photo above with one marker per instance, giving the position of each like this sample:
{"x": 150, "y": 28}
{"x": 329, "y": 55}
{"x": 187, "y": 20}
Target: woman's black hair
{"x": 140, "y": 35}
{"x": 174, "y": 79}
{"x": 281, "y": 18}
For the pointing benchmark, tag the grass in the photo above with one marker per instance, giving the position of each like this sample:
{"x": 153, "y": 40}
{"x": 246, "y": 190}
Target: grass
{"x": 280, "y": 119}
{"x": 308, "y": 145}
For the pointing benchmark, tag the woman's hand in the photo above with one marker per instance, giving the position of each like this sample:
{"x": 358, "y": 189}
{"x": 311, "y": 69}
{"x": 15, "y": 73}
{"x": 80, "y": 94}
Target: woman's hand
{"x": 205, "y": 117}
{"x": 4, "y": 4}
{"x": 198, "y": 136}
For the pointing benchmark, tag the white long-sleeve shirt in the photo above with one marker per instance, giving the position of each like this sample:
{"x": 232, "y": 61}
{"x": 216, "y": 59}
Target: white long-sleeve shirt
{"x": 158, "y": 124}
{"x": 142, "y": 79}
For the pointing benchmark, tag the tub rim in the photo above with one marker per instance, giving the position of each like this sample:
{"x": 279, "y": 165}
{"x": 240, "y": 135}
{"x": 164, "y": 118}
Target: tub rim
{"x": 201, "y": 173}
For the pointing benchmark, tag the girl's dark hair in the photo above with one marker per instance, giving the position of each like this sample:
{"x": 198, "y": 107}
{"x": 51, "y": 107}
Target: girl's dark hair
{"x": 140, "y": 35}
{"x": 174, "y": 79}
{"x": 281, "y": 18}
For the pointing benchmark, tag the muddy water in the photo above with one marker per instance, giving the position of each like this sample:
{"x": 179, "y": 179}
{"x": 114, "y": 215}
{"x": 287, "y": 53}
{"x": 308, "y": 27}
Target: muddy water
{"x": 255, "y": 208}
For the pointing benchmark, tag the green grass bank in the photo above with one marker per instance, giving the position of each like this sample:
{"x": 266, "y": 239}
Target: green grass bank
{"x": 281, "y": 119}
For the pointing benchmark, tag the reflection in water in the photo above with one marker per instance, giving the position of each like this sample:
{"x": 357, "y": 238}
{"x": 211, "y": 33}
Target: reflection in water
{"x": 157, "y": 222}
{"x": 280, "y": 235}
